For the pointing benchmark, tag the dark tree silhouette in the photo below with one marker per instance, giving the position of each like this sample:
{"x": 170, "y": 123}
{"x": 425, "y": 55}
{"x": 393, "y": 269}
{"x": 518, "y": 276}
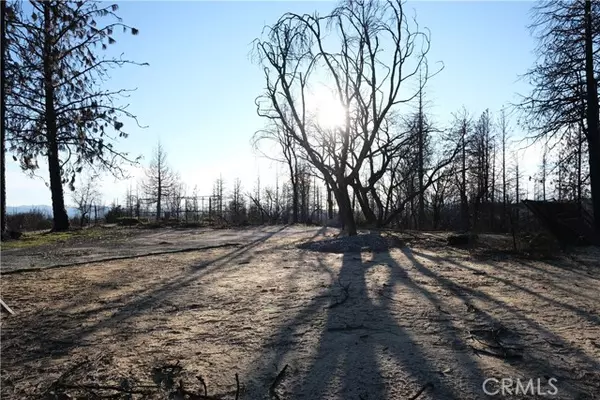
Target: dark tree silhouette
{"x": 461, "y": 133}
{"x": 3, "y": 19}
{"x": 160, "y": 182}
{"x": 504, "y": 137}
{"x": 377, "y": 52}
{"x": 57, "y": 108}
{"x": 564, "y": 79}
{"x": 85, "y": 196}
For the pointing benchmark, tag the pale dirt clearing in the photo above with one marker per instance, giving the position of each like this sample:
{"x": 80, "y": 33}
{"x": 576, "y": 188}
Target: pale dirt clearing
{"x": 348, "y": 326}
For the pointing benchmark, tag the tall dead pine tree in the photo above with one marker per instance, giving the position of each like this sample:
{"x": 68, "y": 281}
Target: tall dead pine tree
{"x": 565, "y": 85}
{"x": 57, "y": 108}
{"x": 160, "y": 180}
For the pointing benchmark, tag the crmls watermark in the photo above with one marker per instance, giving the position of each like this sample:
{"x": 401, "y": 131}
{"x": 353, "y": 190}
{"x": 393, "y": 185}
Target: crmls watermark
{"x": 510, "y": 386}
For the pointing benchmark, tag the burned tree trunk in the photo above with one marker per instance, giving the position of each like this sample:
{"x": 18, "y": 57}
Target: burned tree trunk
{"x": 593, "y": 114}
{"x": 61, "y": 220}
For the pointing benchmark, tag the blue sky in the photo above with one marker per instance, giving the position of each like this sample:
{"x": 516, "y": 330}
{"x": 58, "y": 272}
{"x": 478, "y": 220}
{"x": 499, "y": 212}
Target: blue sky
{"x": 197, "y": 95}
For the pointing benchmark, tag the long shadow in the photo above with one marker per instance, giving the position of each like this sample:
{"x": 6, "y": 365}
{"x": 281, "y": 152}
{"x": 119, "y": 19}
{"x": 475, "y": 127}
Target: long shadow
{"x": 535, "y": 364}
{"x": 274, "y": 355}
{"x": 595, "y": 319}
{"x": 582, "y": 271}
{"x": 71, "y": 334}
{"x": 360, "y": 338}
{"x": 536, "y": 273}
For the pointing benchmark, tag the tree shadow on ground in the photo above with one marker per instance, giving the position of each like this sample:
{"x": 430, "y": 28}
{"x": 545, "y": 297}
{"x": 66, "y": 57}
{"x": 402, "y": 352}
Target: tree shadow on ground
{"x": 371, "y": 346}
{"x": 364, "y": 350}
{"x": 536, "y": 362}
{"x": 42, "y": 337}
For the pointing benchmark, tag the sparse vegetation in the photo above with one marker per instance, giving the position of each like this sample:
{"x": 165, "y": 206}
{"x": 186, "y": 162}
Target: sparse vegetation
{"x": 29, "y": 221}
{"x": 45, "y": 238}
{"x": 390, "y": 249}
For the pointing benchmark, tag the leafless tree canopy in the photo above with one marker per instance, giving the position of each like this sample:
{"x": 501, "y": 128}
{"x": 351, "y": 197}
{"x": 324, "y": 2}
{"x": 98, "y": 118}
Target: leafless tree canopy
{"x": 368, "y": 52}
{"x": 565, "y": 80}
{"x": 161, "y": 182}
{"x": 85, "y": 196}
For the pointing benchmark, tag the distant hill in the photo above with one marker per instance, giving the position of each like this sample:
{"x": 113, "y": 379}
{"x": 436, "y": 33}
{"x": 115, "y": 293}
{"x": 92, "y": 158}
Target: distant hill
{"x": 71, "y": 211}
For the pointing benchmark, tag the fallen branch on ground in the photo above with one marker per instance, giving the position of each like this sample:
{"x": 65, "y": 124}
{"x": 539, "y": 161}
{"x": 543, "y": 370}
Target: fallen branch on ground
{"x": 277, "y": 381}
{"x": 505, "y": 355}
{"x": 496, "y": 348}
{"x": 95, "y": 386}
{"x": 156, "y": 253}
{"x": 416, "y": 395}
{"x": 345, "y": 292}
{"x": 199, "y": 377}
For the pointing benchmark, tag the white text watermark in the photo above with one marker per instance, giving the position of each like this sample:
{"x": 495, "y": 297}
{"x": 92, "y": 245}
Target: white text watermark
{"x": 516, "y": 386}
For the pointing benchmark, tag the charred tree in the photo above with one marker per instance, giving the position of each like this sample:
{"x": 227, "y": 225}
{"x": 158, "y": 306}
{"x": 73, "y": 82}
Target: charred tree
{"x": 299, "y": 48}
{"x": 564, "y": 79}
{"x": 57, "y": 108}
{"x": 160, "y": 181}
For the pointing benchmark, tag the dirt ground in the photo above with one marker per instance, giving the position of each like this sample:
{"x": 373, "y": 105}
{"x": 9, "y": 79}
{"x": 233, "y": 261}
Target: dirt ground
{"x": 262, "y": 319}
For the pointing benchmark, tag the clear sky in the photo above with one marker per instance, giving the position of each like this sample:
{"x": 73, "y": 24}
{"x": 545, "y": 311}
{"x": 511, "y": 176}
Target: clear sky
{"x": 197, "y": 95}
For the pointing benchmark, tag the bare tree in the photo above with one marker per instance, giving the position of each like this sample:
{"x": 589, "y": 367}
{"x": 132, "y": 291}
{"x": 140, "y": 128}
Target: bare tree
{"x": 573, "y": 170}
{"x": 3, "y": 91}
{"x": 440, "y": 190}
{"x": 176, "y": 198}
{"x": 237, "y": 205}
{"x": 85, "y": 196}
{"x": 160, "y": 180}
{"x": 364, "y": 82}
{"x": 277, "y": 133}
{"x": 216, "y": 206}
{"x": 461, "y": 133}
{"x": 479, "y": 168}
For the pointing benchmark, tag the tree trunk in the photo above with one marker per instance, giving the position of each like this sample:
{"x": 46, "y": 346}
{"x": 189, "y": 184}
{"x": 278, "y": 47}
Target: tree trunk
{"x": 421, "y": 159}
{"x": 158, "y": 201}
{"x": 363, "y": 202}
{"x": 421, "y": 174}
{"x": 61, "y": 220}
{"x": 295, "y": 202}
{"x": 3, "y": 118}
{"x": 593, "y": 115}
{"x": 594, "y": 155}
{"x": 436, "y": 216}
{"x": 345, "y": 207}
{"x": 464, "y": 205}
{"x": 329, "y": 203}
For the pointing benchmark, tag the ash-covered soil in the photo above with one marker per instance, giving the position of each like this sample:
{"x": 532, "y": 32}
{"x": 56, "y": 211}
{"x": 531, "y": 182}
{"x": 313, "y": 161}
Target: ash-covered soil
{"x": 111, "y": 242}
{"x": 376, "y": 242}
{"x": 369, "y": 325}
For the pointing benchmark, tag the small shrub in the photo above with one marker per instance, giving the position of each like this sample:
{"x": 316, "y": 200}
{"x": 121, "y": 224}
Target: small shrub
{"x": 113, "y": 215}
{"x": 129, "y": 221}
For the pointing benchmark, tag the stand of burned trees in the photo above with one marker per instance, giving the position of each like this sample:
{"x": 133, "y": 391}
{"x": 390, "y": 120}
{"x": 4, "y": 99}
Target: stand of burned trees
{"x": 563, "y": 105}
{"x": 56, "y": 107}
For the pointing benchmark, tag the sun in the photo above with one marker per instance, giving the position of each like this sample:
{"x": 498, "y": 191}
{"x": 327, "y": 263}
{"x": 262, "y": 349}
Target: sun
{"x": 329, "y": 112}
